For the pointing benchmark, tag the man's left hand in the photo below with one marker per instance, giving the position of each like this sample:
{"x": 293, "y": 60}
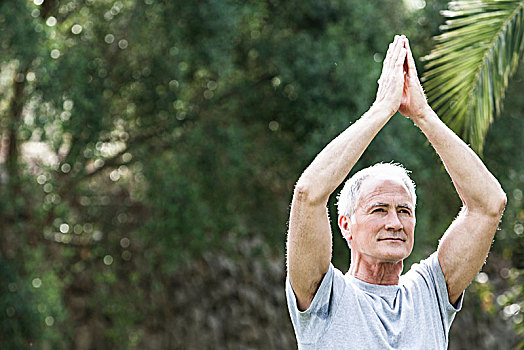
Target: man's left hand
{"x": 413, "y": 103}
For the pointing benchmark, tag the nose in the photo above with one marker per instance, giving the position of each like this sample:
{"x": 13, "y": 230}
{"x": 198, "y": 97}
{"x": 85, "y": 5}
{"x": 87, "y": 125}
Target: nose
{"x": 393, "y": 222}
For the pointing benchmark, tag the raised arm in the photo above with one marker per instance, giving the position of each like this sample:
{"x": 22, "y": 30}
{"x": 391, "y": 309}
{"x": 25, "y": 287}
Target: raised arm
{"x": 466, "y": 243}
{"x": 309, "y": 236}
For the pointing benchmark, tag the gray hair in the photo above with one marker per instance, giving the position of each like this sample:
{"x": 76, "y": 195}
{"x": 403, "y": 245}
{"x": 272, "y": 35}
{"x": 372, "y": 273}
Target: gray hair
{"x": 349, "y": 197}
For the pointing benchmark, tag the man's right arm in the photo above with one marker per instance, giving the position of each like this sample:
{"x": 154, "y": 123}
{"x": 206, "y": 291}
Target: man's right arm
{"x": 309, "y": 237}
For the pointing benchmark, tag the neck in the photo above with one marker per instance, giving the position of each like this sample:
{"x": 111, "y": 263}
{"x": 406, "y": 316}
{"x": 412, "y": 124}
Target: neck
{"x": 372, "y": 271}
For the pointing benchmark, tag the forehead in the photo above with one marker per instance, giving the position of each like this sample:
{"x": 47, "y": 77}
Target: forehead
{"x": 384, "y": 190}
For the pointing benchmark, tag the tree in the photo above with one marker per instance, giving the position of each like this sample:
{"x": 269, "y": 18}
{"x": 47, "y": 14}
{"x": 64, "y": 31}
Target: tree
{"x": 469, "y": 69}
{"x": 169, "y": 134}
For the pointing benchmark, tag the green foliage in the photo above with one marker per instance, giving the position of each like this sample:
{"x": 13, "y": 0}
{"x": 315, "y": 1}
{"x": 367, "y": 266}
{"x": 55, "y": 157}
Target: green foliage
{"x": 140, "y": 134}
{"x": 468, "y": 70}
{"x": 19, "y": 320}
{"x": 504, "y": 155}
{"x": 32, "y": 306}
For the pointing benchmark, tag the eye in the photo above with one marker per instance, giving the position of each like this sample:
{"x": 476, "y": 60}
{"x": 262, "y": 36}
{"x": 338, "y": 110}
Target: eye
{"x": 378, "y": 210}
{"x": 404, "y": 211}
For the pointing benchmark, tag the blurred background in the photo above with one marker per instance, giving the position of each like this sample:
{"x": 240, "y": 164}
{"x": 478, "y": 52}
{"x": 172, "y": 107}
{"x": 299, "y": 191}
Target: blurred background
{"x": 148, "y": 153}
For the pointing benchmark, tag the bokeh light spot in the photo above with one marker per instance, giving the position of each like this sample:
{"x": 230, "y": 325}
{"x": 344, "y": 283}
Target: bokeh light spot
{"x": 68, "y": 105}
{"x": 517, "y": 194}
{"x": 10, "y": 311}
{"x": 126, "y": 157}
{"x": 65, "y": 168}
{"x": 208, "y": 94}
{"x": 108, "y": 260}
{"x": 49, "y": 321}
{"x": 41, "y": 308}
{"x": 41, "y": 179}
{"x": 519, "y": 229}
{"x": 482, "y": 277}
{"x": 55, "y": 53}
{"x": 123, "y": 44}
{"x": 37, "y": 282}
{"x": 126, "y": 255}
{"x": 273, "y": 125}
{"x": 114, "y": 175}
{"x": 51, "y": 21}
{"x": 76, "y": 29}
{"x": 64, "y": 228}
{"x": 109, "y": 38}
{"x": 48, "y": 187}
{"x": 125, "y": 242}
{"x": 97, "y": 235}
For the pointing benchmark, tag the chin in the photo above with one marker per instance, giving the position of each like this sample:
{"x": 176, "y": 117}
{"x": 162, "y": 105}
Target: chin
{"x": 395, "y": 255}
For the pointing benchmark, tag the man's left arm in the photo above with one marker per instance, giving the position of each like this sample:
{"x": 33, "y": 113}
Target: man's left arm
{"x": 466, "y": 243}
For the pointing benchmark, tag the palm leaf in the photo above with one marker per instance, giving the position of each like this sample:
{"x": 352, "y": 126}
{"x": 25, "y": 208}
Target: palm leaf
{"x": 467, "y": 72}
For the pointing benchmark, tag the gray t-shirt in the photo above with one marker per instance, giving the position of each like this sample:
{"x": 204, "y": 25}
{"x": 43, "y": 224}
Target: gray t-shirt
{"x": 347, "y": 313}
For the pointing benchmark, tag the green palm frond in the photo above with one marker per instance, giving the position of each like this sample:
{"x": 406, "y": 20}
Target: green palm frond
{"x": 468, "y": 70}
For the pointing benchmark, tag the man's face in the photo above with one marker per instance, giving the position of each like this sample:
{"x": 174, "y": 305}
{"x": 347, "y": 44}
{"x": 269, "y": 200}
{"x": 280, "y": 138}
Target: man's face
{"x": 383, "y": 226}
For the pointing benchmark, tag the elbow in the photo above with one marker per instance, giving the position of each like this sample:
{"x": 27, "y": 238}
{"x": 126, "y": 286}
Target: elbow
{"x": 497, "y": 205}
{"x": 306, "y": 192}
{"x": 490, "y": 206}
{"x": 502, "y": 202}
{"x": 303, "y": 191}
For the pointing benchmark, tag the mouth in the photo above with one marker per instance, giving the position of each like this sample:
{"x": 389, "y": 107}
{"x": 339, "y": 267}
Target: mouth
{"x": 392, "y": 239}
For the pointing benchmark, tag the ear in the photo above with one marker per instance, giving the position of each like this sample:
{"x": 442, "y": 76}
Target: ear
{"x": 344, "y": 224}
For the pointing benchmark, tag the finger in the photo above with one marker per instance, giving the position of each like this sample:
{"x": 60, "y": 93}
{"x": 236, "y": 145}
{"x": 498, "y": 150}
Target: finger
{"x": 387, "y": 60}
{"x": 394, "y": 51}
{"x": 412, "y": 68}
{"x": 391, "y": 46}
{"x": 401, "y": 57}
{"x": 400, "y": 52}
{"x": 405, "y": 44}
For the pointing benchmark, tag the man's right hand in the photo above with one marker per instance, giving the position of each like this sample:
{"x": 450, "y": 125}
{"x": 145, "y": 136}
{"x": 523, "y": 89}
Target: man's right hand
{"x": 414, "y": 103}
{"x": 391, "y": 82}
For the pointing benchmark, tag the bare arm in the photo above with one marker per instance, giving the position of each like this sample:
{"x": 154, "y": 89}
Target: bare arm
{"x": 309, "y": 236}
{"x": 466, "y": 243}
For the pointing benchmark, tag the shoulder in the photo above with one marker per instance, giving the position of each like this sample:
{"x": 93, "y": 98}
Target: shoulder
{"x": 426, "y": 273}
{"x": 427, "y": 277}
{"x": 428, "y": 267}
{"x": 311, "y": 323}
{"x": 331, "y": 286}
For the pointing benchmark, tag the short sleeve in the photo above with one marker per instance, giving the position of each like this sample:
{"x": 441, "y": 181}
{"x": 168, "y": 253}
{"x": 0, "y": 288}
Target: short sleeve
{"x": 447, "y": 310}
{"x": 310, "y": 324}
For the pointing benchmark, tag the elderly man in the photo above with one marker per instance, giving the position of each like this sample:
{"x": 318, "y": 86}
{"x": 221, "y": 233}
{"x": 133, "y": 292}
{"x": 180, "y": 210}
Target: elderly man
{"x": 372, "y": 306}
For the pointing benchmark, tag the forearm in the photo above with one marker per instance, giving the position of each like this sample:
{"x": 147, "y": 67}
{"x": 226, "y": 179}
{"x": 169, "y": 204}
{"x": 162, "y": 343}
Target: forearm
{"x": 477, "y": 187}
{"x": 464, "y": 246}
{"x": 333, "y": 164}
{"x": 309, "y": 236}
